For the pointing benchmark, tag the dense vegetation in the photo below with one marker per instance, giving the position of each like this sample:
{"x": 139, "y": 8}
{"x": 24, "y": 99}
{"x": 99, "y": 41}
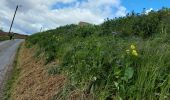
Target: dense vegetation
{"x": 2, "y": 37}
{"x": 123, "y": 58}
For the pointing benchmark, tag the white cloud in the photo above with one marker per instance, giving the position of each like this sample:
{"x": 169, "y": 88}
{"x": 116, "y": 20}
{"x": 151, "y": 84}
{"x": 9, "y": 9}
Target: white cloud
{"x": 35, "y": 14}
{"x": 148, "y": 10}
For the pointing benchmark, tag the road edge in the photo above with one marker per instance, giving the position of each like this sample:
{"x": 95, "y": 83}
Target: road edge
{"x": 10, "y": 76}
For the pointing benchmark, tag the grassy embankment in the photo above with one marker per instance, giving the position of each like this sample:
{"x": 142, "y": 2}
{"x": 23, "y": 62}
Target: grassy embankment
{"x": 2, "y": 38}
{"x": 133, "y": 64}
{"x": 30, "y": 79}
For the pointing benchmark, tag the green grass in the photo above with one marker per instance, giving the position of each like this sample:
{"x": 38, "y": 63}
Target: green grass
{"x": 3, "y": 38}
{"x": 12, "y": 79}
{"x": 99, "y": 63}
{"x": 118, "y": 74}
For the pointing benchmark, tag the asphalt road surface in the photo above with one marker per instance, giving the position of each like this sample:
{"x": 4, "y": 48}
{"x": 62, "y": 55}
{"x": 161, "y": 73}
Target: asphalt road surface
{"x": 8, "y": 51}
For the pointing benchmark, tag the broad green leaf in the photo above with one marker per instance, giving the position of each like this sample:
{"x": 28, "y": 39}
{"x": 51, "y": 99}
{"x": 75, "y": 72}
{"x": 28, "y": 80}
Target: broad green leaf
{"x": 129, "y": 73}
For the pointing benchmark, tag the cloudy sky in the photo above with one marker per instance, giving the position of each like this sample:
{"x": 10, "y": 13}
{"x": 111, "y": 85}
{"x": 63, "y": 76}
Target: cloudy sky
{"x": 34, "y": 14}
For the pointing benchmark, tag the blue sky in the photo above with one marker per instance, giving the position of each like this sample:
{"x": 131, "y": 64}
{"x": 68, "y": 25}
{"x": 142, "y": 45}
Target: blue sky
{"x": 61, "y": 5}
{"x": 138, "y": 5}
{"x": 130, "y": 5}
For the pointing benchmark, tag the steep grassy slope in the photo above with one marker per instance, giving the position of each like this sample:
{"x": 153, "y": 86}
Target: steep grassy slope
{"x": 133, "y": 64}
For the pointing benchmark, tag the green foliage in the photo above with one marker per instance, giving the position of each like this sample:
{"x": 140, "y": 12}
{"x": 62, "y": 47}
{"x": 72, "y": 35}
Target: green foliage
{"x": 2, "y": 38}
{"x": 106, "y": 65}
{"x": 143, "y": 25}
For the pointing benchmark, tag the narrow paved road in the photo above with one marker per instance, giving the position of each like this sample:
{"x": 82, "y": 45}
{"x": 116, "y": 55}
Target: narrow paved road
{"x": 8, "y": 51}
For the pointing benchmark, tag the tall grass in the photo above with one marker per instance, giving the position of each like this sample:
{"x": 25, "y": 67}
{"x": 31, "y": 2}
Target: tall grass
{"x": 103, "y": 63}
{"x": 108, "y": 66}
{"x": 3, "y": 38}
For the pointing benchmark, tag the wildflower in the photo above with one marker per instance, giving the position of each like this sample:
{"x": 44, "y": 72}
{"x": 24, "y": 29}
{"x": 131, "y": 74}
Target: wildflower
{"x": 127, "y": 51}
{"x": 94, "y": 78}
{"x": 134, "y": 52}
{"x": 132, "y": 47}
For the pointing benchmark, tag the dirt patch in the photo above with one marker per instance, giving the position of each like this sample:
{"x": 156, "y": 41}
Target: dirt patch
{"x": 34, "y": 82}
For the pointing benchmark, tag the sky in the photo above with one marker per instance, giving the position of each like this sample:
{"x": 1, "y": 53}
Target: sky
{"x": 33, "y": 15}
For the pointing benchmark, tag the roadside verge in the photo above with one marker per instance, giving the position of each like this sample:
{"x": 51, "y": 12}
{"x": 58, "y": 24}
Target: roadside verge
{"x": 30, "y": 78}
{"x": 11, "y": 77}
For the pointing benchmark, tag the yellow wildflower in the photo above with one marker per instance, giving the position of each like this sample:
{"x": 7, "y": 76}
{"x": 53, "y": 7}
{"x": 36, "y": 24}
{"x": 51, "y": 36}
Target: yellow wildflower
{"x": 134, "y": 52}
{"x": 132, "y": 47}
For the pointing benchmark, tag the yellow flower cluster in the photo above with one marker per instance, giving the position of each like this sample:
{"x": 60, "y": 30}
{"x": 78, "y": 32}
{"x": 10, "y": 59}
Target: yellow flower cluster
{"x": 134, "y": 52}
{"x": 133, "y": 49}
